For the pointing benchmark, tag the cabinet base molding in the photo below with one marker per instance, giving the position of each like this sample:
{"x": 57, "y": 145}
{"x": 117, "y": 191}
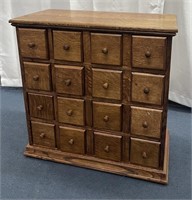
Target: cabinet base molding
{"x": 125, "y": 169}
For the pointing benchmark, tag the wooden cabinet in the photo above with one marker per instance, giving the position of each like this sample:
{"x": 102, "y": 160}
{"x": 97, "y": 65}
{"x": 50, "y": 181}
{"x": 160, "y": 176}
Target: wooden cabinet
{"x": 96, "y": 89}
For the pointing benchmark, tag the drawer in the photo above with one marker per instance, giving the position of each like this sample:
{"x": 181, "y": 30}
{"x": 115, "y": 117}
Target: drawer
{"x": 33, "y": 43}
{"x": 145, "y": 153}
{"x": 108, "y": 146}
{"x": 43, "y": 134}
{"x": 72, "y": 140}
{"x": 107, "y": 116}
{"x": 146, "y": 122}
{"x": 147, "y": 88}
{"x": 106, "y": 48}
{"x": 149, "y": 52}
{"x": 41, "y": 106}
{"x": 67, "y": 45}
{"x": 107, "y": 84}
{"x": 69, "y": 79}
{"x": 37, "y": 76}
{"x": 71, "y": 111}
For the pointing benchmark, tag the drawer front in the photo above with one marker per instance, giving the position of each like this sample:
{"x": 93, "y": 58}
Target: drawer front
{"x": 69, "y": 79}
{"x": 71, "y": 111}
{"x": 33, "y": 43}
{"x": 41, "y": 106}
{"x": 146, "y": 122}
{"x": 107, "y": 84}
{"x": 145, "y": 153}
{"x": 43, "y": 134}
{"x": 37, "y": 76}
{"x": 107, "y": 116}
{"x": 149, "y": 52}
{"x": 108, "y": 146}
{"x": 147, "y": 88}
{"x": 106, "y": 48}
{"x": 67, "y": 45}
{"x": 72, "y": 140}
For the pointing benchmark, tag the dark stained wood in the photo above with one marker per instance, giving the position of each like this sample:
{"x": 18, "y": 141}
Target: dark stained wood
{"x": 89, "y": 141}
{"x": 107, "y": 84}
{"x": 126, "y": 118}
{"x": 88, "y": 112}
{"x": 88, "y": 80}
{"x": 87, "y": 47}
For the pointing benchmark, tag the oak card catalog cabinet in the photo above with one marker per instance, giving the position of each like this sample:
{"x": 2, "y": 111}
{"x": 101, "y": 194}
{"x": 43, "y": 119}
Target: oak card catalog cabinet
{"x": 96, "y": 89}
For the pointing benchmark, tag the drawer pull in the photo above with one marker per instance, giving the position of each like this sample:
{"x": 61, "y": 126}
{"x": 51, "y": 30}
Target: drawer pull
{"x": 66, "y": 47}
{"x": 40, "y": 107}
{"x": 147, "y": 54}
{"x": 68, "y": 82}
{"x": 106, "y": 118}
{"x": 146, "y": 90}
{"x": 69, "y": 112}
{"x": 106, "y": 149}
{"x": 31, "y": 45}
{"x": 36, "y": 77}
{"x": 105, "y": 85}
{"x": 42, "y": 135}
{"x": 105, "y": 51}
{"x": 71, "y": 141}
{"x": 145, "y": 124}
{"x": 144, "y": 155}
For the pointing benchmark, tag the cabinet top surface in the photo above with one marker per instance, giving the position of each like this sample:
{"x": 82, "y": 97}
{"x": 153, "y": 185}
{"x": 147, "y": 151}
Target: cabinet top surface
{"x": 95, "y": 19}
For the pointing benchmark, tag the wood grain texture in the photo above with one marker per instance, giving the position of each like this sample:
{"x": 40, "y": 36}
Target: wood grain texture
{"x": 37, "y": 76}
{"x": 146, "y": 122}
{"x": 41, "y": 106}
{"x": 72, "y": 140}
{"x": 69, "y": 79}
{"x": 89, "y": 141}
{"x": 71, "y": 111}
{"x": 88, "y": 19}
{"x": 147, "y": 88}
{"x": 33, "y": 43}
{"x": 106, "y": 48}
{"x": 107, "y": 84}
{"x": 43, "y": 134}
{"x": 67, "y": 45}
{"x": 107, "y": 116}
{"x": 149, "y": 52}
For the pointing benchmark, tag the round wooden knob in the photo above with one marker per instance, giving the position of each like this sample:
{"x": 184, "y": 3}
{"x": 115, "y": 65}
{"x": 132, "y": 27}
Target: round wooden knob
{"x": 36, "y": 77}
{"x": 106, "y": 149}
{"x": 66, "y": 47}
{"x": 146, "y": 90}
{"x": 148, "y": 54}
{"x": 105, "y": 51}
{"x": 145, "y": 124}
{"x": 42, "y": 135}
{"x": 68, "y": 82}
{"x": 40, "y": 107}
{"x": 69, "y": 112}
{"x": 106, "y": 118}
{"x": 31, "y": 45}
{"x": 144, "y": 155}
{"x": 105, "y": 85}
{"x": 71, "y": 141}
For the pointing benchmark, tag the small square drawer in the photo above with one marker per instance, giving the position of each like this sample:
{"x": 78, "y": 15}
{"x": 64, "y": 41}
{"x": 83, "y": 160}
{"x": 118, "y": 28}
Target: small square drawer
{"x": 147, "y": 88}
{"x": 37, "y": 76}
{"x": 149, "y": 52}
{"x": 144, "y": 152}
{"x": 108, "y": 146}
{"x": 69, "y": 79}
{"x": 43, "y": 134}
{"x": 107, "y": 116}
{"x": 33, "y": 43}
{"x": 71, "y": 111}
{"x": 107, "y": 84}
{"x": 67, "y": 45}
{"x": 41, "y": 106}
{"x": 106, "y": 48}
{"x": 72, "y": 140}
{"x": 146, "y": 122}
